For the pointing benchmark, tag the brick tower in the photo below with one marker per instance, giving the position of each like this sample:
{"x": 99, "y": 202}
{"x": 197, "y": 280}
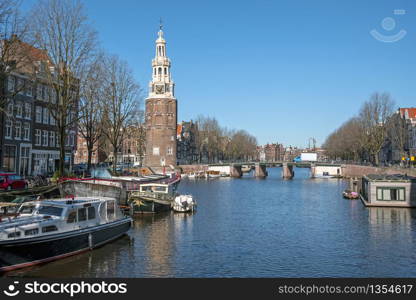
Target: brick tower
{"x": 161, "y": 111}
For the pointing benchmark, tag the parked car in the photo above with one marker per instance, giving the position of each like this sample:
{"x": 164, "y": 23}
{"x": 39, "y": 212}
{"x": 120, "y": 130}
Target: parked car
{"x": 11, "y": 181}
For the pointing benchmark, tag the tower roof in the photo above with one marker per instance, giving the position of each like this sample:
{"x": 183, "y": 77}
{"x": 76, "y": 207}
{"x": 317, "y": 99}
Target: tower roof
{"x": 160, "y": 38}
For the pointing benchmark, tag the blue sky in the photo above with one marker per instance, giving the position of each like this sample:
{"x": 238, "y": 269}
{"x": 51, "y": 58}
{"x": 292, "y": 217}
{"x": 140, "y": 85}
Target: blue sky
{"x": 283, "y": 70}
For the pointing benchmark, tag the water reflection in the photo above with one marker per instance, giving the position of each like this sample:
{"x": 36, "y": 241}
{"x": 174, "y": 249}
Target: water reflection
{"x": 391, "y": 216}
{"x": 157, "y": 243}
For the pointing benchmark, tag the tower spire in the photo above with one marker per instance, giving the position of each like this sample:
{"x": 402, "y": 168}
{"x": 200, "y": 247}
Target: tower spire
{"x": 160, "y": 24}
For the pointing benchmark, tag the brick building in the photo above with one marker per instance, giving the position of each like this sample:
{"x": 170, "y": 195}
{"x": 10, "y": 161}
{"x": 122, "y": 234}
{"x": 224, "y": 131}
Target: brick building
{"x": 270, "y": 152}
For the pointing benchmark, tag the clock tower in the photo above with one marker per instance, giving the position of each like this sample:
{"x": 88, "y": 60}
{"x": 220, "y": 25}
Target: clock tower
{"x": 161, "y": 111}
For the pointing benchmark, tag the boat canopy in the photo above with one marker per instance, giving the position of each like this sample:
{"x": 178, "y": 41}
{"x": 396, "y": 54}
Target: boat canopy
{"x": 155, "y": 188}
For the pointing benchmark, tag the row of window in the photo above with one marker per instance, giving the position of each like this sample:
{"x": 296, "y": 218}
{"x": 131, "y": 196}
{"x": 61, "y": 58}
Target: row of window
{"x": 18, "y": 133}
{"x": 390, "y": 194}
{"x": 25, "y": 87}
{"x": 50, "y": 138}
{"x": 33, "y": 231}
{"x": 159, "y": 71}
{"x": 21, "y": 111}
{"x": 43, "y": 116}
{"x": 156, "y": 151}
{"x": 84, "y": 213}
{"x": 46, "y": 138}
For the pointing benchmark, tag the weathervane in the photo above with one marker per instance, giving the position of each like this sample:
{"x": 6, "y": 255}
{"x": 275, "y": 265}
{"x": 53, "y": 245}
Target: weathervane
{"x": 160, "y": 24}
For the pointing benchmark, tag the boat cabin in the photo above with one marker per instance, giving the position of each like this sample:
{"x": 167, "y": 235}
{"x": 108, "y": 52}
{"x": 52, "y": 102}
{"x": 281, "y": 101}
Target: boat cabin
{"x": 158, "y": 188}
{"x": 38, "y": 218}
{"x": 157, "y": 191}
{"x": 389, "y": 190}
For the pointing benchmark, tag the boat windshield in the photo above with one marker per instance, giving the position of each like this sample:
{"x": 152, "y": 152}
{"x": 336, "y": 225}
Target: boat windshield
{"x": 50, "y": 210}
{"x": 153, "y": 188}
{"x": 101, "y": 173}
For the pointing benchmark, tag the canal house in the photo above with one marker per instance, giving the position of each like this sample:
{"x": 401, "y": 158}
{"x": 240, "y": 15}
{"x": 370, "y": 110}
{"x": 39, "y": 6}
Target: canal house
{"x": 388, "y": 190}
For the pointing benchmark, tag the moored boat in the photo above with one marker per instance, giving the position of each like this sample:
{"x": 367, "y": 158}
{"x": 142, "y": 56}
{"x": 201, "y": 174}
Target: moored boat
{"x": 348, "y": 194}
{"x": 152, "y": 198}
{"x": 213, "y": 174}
{"x": 184, "y": 203}
{"x": 43, "y": 231}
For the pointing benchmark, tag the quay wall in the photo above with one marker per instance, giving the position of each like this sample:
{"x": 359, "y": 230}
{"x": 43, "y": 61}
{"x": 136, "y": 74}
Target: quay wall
{"x": 193, "y": 168}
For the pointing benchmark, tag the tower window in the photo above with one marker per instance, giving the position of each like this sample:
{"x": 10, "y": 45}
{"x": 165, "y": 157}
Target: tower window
{"x": 166, "y": 71}
{"x": 160, "y": 71}
{"x": 155, "y": 150}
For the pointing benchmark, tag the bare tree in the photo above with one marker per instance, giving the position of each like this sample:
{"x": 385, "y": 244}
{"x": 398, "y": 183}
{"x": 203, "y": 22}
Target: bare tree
{"x": 15, "y": 55}
{"x": 61, "y": 28}
{"x": 90, "y": 106}
{"x": 121, "y": 102}
{"x": 374, "y": 115}
{"x": 215, "y": 142}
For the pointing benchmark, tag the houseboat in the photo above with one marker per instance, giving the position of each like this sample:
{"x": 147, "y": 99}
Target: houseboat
{"x": 322, "y": 170}
{"x": 388, "y": 190}
{"x": 152, "y": 198}
{"x": 43, "y": 231}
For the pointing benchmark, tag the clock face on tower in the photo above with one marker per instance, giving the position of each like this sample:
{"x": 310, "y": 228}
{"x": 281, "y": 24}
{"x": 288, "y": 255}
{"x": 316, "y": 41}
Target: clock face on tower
{"x": 159, "y": 89}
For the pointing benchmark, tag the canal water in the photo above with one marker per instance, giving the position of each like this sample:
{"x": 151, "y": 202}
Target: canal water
{"x": 257, "y": 228}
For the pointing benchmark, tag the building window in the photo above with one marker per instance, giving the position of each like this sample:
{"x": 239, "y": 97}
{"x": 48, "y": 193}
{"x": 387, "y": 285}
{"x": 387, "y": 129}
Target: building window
{"x": 390, "y": 194}
{"x": 9, "y": 129}
{"x": 53, "y": 95}
{"x": 52, "y": 120}
{"x": 10, "y": 109}
{"x": 28, "y": 111}
{"x": 11, "y": 83}
{"x": 170, "y": 151}
{"x": 51, "y": 138}
{"x": 38, "y": 114}
{"x": 40, "y": 92}
{"x": 9, "y": 158}
{"x": 20, "y": 85}
{"x": 45, "y": 115}
{"x": 18, "y": 130}
{"x": 26, "y": 131}
{"x": 45, "y": 138}
{"x": 155, "y": 150}
{"x": 24, "y": 160}
{"x": 37, "y": 137}
{"x": 19, "y": 110}
{"x": 29, "y": 89}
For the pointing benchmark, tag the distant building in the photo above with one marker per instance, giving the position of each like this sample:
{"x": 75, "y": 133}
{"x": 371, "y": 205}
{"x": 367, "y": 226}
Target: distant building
{"x": 409, "y": 114}
{"x": 99, "y": 153}
{"x": 291, "y": 152}
{"x": 186, "y": 143}
{"x": 270, "y": 152}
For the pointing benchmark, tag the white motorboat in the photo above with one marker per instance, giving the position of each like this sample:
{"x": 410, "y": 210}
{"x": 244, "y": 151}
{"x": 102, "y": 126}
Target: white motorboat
{"x": 43, "y": 231}
{"x": 184, "y": 203}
